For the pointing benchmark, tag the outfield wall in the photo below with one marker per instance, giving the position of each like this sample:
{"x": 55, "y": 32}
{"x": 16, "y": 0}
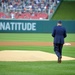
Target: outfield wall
{"x": 33, "y": 26}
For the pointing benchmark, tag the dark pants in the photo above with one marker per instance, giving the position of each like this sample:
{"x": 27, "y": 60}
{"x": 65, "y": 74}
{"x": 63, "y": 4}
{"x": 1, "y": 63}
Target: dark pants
{"x": 58, "y": 49}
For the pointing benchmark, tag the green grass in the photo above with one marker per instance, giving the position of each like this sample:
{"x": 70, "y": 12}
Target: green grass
{"x": 66, "y": 11}
{"x": 32, "y": 37}
{"x": 69, "y": 51}
{"x": 40, "y": 48}
{"x": 70, "y": 38}
{"x": 25, "y": 37}
{"x": 37, "y": 68}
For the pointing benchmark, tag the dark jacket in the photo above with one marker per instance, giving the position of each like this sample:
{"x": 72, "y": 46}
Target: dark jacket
{"x": 59, "y": 33}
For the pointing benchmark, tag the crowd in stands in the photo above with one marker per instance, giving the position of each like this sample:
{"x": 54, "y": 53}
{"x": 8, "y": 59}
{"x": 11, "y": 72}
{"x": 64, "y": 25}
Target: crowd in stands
{"x": 26, "y": 9}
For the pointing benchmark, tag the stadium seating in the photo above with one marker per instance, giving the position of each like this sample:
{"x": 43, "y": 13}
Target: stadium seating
{"x": 26, "y": 9}
{"x": 3, "y": 15}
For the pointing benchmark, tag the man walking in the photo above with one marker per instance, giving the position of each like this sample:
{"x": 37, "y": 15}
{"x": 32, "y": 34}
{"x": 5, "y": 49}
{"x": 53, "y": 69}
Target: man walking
{"x": 59, "y": 33}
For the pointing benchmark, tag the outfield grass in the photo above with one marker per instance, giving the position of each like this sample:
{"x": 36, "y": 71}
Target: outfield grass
{"x": 66, "y": 11}
{"x": 39, "y": 37}
{"x": 28, "y": 37}
{"x": 37, "y": 68}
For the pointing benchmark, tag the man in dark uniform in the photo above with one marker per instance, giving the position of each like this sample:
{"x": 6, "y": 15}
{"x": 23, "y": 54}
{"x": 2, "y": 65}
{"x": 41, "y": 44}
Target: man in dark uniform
{"x": 59, "y": 33}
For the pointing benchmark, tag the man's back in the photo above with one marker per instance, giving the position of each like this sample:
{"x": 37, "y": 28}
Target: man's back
{"x": 59, "y": 33}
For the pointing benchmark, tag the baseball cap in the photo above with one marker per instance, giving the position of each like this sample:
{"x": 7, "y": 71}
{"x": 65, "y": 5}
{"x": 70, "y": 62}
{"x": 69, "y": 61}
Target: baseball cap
{"x": 59, "y": 22}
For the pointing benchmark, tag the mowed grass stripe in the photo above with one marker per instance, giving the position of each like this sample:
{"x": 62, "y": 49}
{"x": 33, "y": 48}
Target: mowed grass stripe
{"x": 32, "y": 37}
{"x": 25, "y": 37}
{"x": 37, "y": 68}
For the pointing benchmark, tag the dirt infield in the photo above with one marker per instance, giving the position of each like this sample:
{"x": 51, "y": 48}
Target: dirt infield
{"x": 24, "y": 55}
{"x": 32, "y": 44}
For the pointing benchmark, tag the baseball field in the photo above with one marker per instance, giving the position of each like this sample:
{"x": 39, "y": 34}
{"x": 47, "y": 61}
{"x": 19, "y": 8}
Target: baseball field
{"x": 32, "y": 53}
{"x": 43, "y": 43}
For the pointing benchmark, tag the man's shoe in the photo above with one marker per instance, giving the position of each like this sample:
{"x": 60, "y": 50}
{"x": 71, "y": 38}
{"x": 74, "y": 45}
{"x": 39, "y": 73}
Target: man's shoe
{"x": 59, "y": 60}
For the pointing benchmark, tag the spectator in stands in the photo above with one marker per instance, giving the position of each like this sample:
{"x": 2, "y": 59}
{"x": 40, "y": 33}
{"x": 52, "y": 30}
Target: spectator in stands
{"x": 58, "y": 1}
{"x": 26, "y": 6}
{"x": 10, "y": 5}
{"x": 42, "y": 6}
{"x": 12, "y": 15}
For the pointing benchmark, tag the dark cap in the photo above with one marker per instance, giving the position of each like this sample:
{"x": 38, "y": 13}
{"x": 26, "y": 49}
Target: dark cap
{"x": 59, "y": 22}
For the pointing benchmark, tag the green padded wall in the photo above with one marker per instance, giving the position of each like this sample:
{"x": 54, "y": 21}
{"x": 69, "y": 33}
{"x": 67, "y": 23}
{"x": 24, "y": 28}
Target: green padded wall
{"x": 33, "y": 26}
